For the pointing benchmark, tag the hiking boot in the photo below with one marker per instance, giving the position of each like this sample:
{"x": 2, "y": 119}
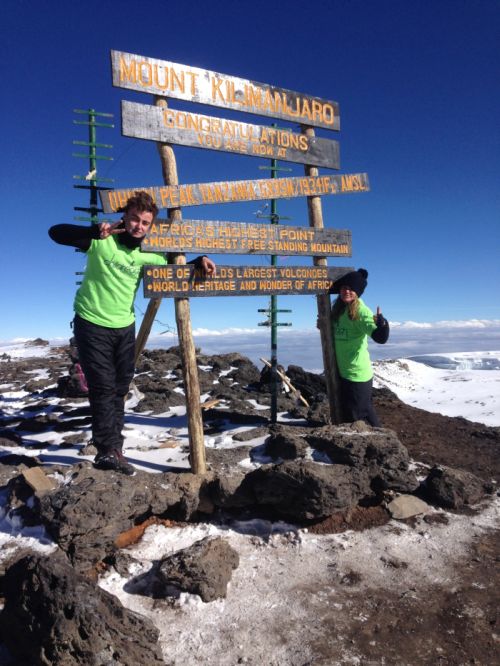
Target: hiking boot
{"x": 113, "y": 460}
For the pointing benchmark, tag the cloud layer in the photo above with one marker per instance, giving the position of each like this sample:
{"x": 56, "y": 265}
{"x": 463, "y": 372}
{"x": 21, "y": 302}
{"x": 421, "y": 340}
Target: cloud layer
{"x": 302, "y": 347}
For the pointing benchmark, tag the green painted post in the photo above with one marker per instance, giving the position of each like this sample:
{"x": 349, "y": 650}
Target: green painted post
{"x": 93, "y": 168}
{"x": 91, "y": 177}
{"x": 272, "y": 320}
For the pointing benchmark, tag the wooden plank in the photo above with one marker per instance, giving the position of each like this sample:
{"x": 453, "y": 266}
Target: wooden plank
{"x": 183, "y": 281}
{"x": 219, "y": 237}
{"x": 143, "y": 121}
{"x": 284, "y": 378}
{"x": 169, "y": 79}
{"x": 235, "y": 191}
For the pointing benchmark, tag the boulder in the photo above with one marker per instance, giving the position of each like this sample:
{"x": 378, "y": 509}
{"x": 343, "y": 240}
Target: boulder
{"x": 454, "y": 488}
{"x": 226, "y": 361}
{"x": 54, "y": 616}
{"x": 157, "y": 403}
{"x": 86, "y": 515}
{"x": 231, "y": 490}
{"x": 159, "y": 361}
{"x": 319, "y": 413}
{"x": 205, "y": 568}
{"x": 206, "y": 381}
{"x": 406, "y": 506}
{"x": 246, "y": 372}
{"x": 305, "y": 490}
{"x": 311, "y": 385}
{"x": 284, "y": 443}
{"x": 377, "y": 450}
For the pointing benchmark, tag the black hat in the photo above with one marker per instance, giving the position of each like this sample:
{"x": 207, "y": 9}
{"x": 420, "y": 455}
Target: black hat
{"x": 355, "y": 280}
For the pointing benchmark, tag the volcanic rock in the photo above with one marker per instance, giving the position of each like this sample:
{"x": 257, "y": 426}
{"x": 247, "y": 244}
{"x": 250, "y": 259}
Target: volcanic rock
{"x": 205, "y": 568}
{"x": 311, "y": 385}
{"x": 157, "y": 403}
{"x": 86, "y": 515}
{"x": 319, "y": 413}
{"x": 377, "y": 450}
{"x": 246, "y": 372}
{"x": 304, "y": 490}
{"x": 453, "y": 488}
{"x": 54, "y": 616}
{"x": 285, "y": 443}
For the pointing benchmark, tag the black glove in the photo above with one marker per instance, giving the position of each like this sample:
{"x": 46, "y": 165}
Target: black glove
{"x": 381, "y": 333}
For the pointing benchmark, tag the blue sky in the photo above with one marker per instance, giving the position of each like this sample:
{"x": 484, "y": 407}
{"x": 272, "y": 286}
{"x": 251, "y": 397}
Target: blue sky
{"x": 417, "y": 85}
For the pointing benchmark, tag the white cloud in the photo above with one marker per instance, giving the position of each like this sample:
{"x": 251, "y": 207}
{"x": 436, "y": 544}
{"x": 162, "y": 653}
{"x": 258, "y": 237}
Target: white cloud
{"x": 468, "y": 323}
{"x": 302, "y": 346}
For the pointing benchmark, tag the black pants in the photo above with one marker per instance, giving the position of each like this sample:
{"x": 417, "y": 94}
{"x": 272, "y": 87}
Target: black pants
{"x": 107, "y": 358}
{"x": 356, "y": 402}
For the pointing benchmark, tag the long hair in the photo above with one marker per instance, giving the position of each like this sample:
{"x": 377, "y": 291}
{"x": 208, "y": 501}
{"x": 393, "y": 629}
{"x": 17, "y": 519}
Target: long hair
{"x": 339, "y": 307}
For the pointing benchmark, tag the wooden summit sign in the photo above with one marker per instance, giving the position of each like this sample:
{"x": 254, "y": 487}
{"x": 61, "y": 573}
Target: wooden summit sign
{"x": 169, "y": 79}
{"x": 143, "y": 121}
{"x": 244, "y": 238}
{"x": 182, "y": 281}
{"x": 234, "y": 191}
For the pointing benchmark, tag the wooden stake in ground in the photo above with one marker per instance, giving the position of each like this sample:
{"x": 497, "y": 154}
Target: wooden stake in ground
{"x": 285, "y": 379}
{"x": 184, "y": 330}
{"x": 323, "y": 301}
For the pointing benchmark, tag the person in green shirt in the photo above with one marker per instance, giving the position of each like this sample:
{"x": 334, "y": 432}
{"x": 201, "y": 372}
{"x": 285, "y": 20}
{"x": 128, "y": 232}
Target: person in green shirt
{"x": 352, "y": 323}
{"x": 104, "y": 324}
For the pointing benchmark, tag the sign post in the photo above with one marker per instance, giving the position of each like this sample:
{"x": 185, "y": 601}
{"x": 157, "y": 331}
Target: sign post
{"x": 168, "y": 126}
{"x": 142, "y": 121}
{"x": 176, "y": 81}
{"x": 184, "y": 330}
{"x": 223, "y": 237}
{"x": 183, "y": 281}
{"x": 323, "y": 302}
{"x": 237, "y": 191}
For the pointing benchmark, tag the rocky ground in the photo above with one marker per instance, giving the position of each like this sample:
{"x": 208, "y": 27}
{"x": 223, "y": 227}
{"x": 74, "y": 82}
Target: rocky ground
{"x": 350, "y": 593}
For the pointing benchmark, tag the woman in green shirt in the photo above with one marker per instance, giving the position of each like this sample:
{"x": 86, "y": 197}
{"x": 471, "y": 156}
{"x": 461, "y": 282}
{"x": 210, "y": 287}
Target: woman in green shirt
{"x": 352, "y": 322}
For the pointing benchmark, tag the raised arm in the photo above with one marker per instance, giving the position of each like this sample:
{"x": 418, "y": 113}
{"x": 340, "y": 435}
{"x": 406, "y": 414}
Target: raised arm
{"x": 381, "y": 333}
{"x": 74, "y": 235}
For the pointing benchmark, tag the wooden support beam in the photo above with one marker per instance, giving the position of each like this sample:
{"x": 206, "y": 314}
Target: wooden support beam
{"x": 184, "y": 330}
{"x": 323, "y": 302}
{"x": 145, "y": 328}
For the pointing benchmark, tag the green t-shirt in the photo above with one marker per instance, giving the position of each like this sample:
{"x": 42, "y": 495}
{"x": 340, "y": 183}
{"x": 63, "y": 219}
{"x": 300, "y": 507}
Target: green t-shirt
{"x": 107, "y": 293}
{"x": 351, "y": 344}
